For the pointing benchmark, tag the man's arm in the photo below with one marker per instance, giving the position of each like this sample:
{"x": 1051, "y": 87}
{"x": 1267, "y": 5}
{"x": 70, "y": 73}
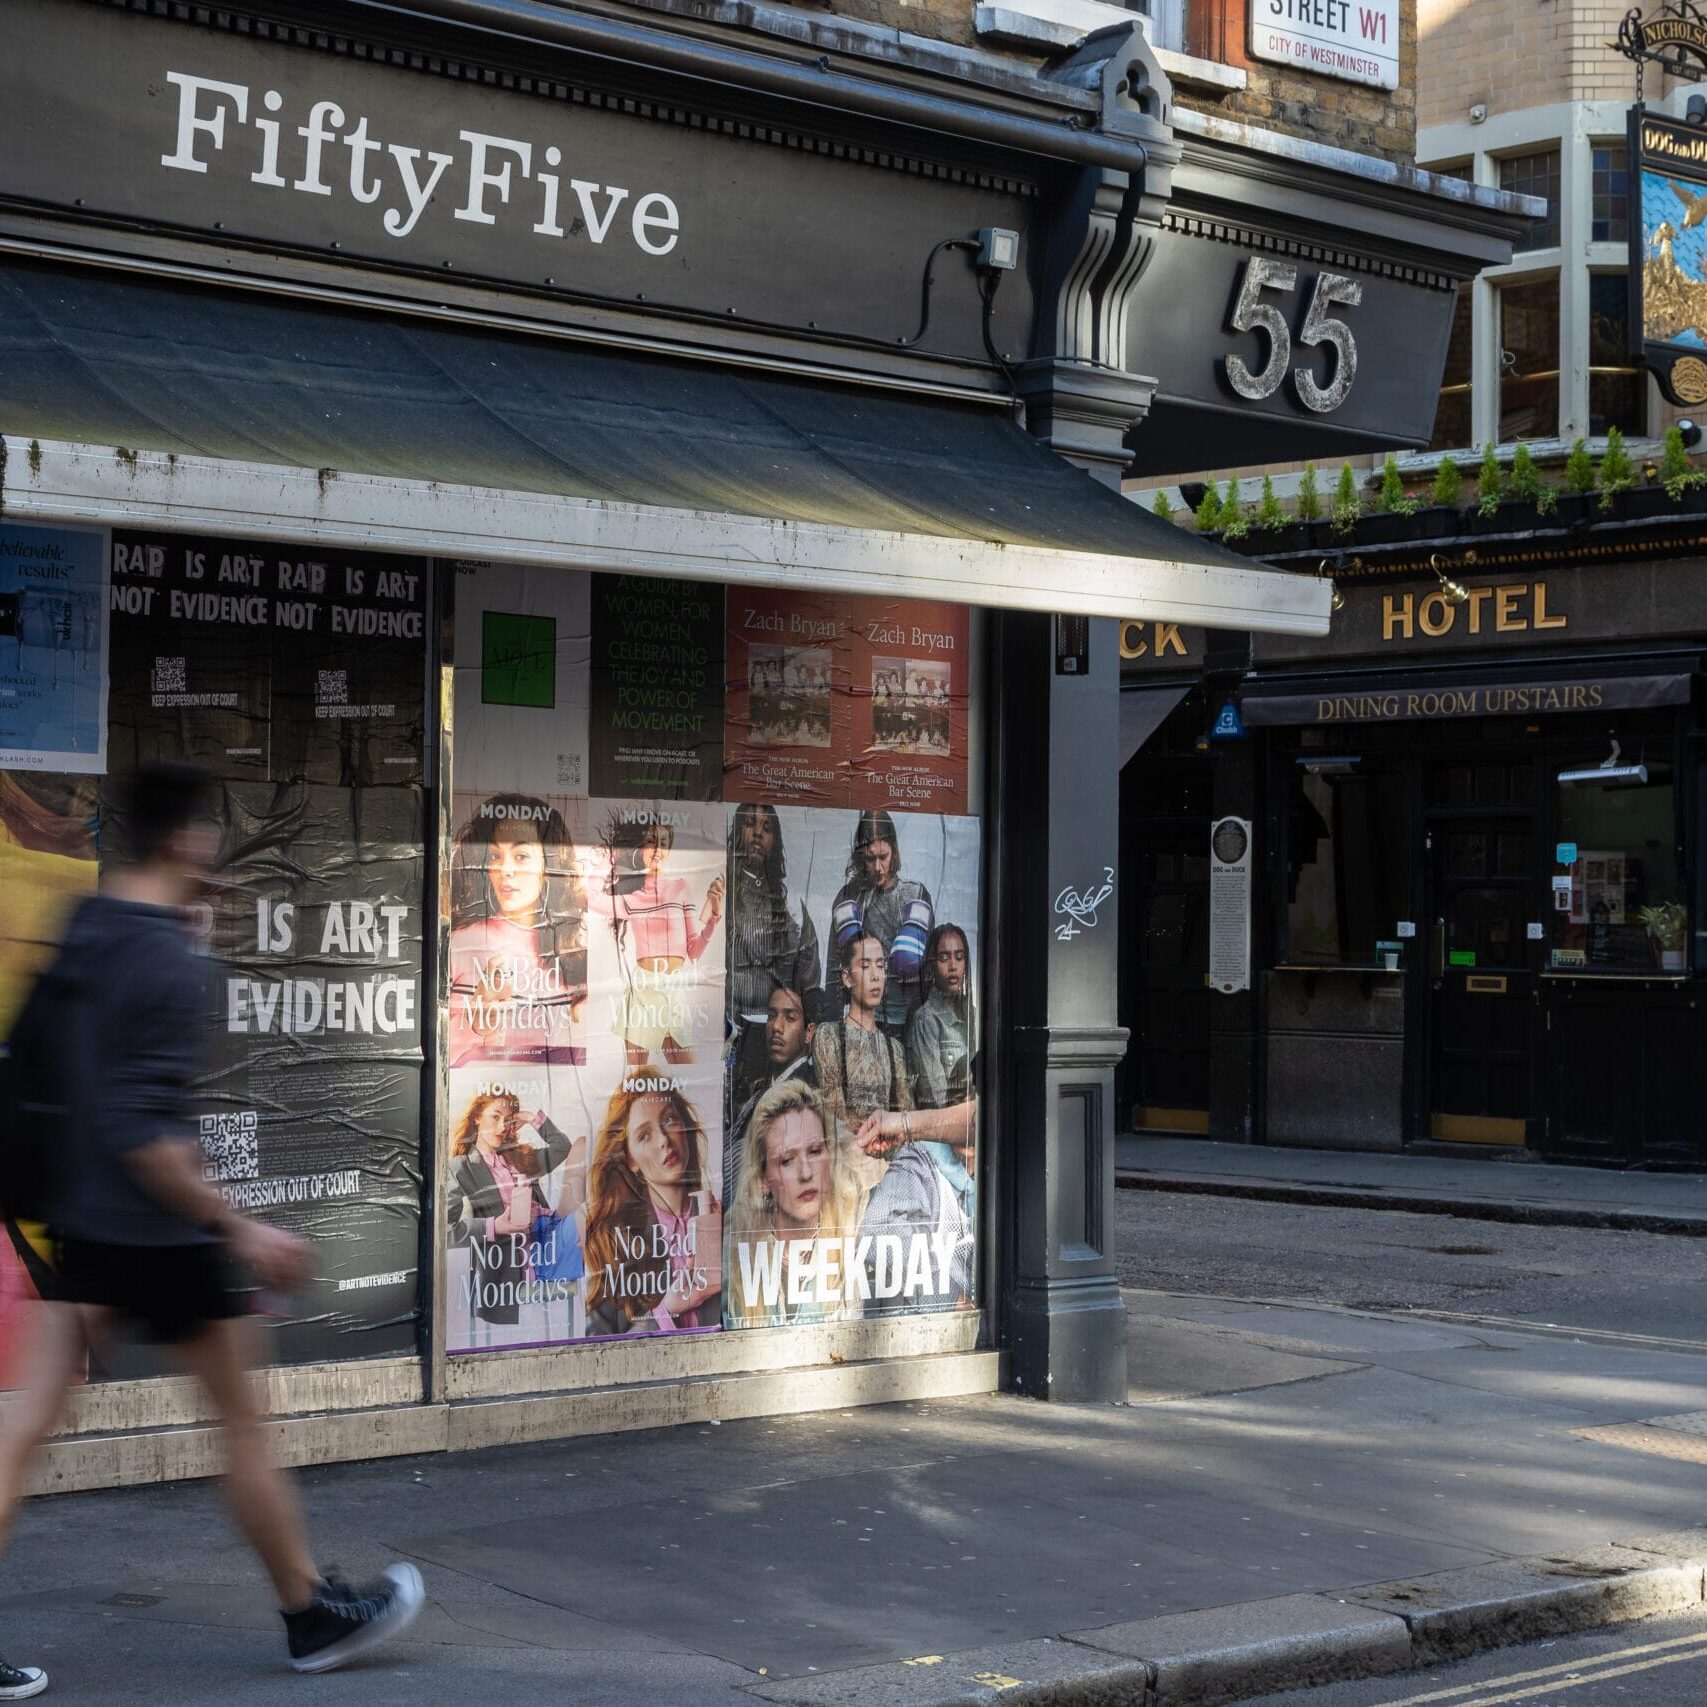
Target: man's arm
{"x": 169, "y": 1171}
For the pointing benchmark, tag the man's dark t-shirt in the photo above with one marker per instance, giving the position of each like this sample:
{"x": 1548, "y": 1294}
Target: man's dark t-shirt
{"x": 144, "y": 1012}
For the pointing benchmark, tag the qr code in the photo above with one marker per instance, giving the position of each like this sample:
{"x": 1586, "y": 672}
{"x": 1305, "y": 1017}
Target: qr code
{"x": 231, "y": 1146}
{"x": 168, "y": 675}
{"x": 332, "y": 688}
{"x": 568, "y": 770}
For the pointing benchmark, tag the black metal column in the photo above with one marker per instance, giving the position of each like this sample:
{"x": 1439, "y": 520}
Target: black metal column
{"x": 1058, "y": 859}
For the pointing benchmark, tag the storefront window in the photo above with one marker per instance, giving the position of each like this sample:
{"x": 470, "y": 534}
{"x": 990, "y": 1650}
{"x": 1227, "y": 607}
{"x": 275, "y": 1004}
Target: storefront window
{"x": 714, "y": 955}
{"x": 1535, "y": 175}
{"x": 1617, "y": 895}
{"x": 1346, "y": 870}
{"x": 1617, "y": 389}
{"x": 1610, "y": 215}
{"x": 1529, "y": 360}
{"x": 1452, "y": 413}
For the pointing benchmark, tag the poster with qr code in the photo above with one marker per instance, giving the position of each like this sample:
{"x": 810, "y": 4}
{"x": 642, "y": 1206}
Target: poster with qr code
{"x": 310, "y": 1113}
{"x": 268, "y": 661}
{"x": 53, "y": 649}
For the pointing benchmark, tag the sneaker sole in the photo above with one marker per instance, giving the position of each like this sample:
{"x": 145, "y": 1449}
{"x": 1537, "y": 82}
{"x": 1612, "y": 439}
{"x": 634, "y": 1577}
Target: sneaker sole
{"x": 411, "y": 1595}
{"x": 24, "y": 1691}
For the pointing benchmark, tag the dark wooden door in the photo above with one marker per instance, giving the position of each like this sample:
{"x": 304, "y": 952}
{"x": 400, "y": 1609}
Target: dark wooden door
{"x": 1482, "y": 871}
{"x": 1172, "y": 1033}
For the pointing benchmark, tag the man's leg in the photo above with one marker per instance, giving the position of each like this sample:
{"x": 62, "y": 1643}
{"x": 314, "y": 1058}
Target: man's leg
{"x": 261, "y": 1496}
{"x": 48, "y": 1366}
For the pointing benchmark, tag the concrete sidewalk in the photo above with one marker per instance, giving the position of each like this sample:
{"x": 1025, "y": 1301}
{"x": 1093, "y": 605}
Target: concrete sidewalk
{"x": 1290, "y": 1493}
{"x": 1544, "y": 1194}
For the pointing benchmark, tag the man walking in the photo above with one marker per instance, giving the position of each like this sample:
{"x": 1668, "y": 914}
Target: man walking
{"x": 137, "y": 1233}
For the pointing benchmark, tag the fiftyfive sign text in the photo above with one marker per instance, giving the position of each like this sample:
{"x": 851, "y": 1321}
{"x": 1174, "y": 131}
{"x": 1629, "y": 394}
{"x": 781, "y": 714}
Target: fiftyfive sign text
{"x": 331, "y": 154}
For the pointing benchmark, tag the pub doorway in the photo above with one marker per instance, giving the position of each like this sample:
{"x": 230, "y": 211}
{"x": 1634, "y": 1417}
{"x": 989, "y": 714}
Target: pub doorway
{"x": 1482, "y": 877}
{"x": 1165, "y": 799}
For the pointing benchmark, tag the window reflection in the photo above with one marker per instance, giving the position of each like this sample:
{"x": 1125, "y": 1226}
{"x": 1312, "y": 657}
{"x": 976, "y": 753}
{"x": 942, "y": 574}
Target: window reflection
{"x": 1346, "y": 867}
{"x": 1618, "y": 905}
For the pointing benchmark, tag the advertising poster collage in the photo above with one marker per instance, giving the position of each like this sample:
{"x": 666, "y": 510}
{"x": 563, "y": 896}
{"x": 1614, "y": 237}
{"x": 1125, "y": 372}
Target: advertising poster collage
{"x": 714, "y": 927}
{"x": 297, "y": 678}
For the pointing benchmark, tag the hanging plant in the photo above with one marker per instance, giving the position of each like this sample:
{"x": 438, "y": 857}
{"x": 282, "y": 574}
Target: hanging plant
{"x": 1309, "y": 498}
{"x": 1271, "y": 515}
{"x": 1617, "y": 473}
{"x": 1579, "y": 469}
{"x": 1490, "y": 482}
{"x": 1677, "y": 474}
{"x": 1394, "y": 499}
{"x": 1348, "y": 501}
{"x": 1235, "y": 523}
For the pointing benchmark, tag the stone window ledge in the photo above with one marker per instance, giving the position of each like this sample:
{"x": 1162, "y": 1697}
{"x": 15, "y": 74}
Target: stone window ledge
{"x": 1062, "y": 24}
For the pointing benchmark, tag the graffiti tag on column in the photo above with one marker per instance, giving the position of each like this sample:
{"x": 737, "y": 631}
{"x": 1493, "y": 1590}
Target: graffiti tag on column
{"x": 1080, "y": 906}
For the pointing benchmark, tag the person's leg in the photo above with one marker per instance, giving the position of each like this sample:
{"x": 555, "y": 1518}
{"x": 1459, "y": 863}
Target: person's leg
{"x": 49, "y": 1363}
{"x": 261, "y": 1496}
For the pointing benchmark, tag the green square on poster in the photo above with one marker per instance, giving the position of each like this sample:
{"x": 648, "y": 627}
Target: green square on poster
{"x": 518, "y": 660}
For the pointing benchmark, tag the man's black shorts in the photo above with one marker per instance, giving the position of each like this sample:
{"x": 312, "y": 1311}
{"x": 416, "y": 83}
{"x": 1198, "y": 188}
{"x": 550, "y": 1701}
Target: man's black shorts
{"x": 173, "y": 1291}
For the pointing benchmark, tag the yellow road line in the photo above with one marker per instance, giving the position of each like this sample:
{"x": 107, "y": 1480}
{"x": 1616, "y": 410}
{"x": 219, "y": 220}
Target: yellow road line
{"x": 1578, "y": 1682}
{"x": 1461, "y": 1690}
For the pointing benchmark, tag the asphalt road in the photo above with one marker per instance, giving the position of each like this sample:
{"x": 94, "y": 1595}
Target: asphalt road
{"x": 1659, "y": 1662}
{"x": 1367, "y": 1259}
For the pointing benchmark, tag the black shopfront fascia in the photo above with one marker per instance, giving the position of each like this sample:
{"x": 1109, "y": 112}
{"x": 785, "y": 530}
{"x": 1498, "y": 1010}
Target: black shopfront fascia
{"x": 1606, "y": 1069}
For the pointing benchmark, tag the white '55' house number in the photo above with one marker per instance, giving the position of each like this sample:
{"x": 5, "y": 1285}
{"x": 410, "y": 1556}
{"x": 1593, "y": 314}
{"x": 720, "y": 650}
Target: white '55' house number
{"x": 1252, "y": 314}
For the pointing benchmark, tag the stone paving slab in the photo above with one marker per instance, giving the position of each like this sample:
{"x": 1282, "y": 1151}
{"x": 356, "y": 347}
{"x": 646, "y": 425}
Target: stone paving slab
{"x": 1230, "y": 1653}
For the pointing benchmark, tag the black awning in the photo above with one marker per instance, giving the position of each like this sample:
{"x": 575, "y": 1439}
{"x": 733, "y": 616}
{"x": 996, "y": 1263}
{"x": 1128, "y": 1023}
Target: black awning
{"x": 1537, "y": 696}
{"x": 92, "y": 357}
{"x": 1142, "y": 712}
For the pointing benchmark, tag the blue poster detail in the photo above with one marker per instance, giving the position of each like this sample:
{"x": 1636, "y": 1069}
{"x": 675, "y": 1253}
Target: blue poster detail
{"x": 1229, "y": 726}
{"x": 53, "y": 649}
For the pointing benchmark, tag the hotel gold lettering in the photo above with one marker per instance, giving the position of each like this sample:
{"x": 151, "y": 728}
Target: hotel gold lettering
{"x": 1165, "y": 640}
{"x": 1514, "y": 609}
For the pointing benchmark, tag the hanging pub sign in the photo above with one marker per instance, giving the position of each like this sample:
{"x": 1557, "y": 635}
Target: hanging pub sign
{"x": 1673, "y": 36}
{"x": 1668, "y": 252}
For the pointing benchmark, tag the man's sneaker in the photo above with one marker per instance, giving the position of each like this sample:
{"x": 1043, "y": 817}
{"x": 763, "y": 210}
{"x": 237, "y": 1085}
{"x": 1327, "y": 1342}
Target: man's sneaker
{"x": 339, "y": 1623}
{"x": 19, "y": 1683}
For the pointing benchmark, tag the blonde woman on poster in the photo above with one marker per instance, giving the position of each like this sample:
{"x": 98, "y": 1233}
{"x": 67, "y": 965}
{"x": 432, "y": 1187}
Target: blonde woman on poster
{"x": 662, "y": 929}
{"x": 518, "y": 944}
{"x": 795, "y": 1198}
{"x": 654, "y": 1227}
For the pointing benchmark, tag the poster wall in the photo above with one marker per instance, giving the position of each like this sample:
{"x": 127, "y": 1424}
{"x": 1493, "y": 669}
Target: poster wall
{"x": 712, "y": 1053}
{"x": 298, "y": 678}
{"x": 583, "y": 1171}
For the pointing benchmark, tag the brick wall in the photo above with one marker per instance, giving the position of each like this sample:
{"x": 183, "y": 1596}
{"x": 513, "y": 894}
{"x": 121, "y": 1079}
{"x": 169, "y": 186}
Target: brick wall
{"x": 1502, "y": 54}
{"x": 1324, "y": 109}
{"x": 1507, "y": 55}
